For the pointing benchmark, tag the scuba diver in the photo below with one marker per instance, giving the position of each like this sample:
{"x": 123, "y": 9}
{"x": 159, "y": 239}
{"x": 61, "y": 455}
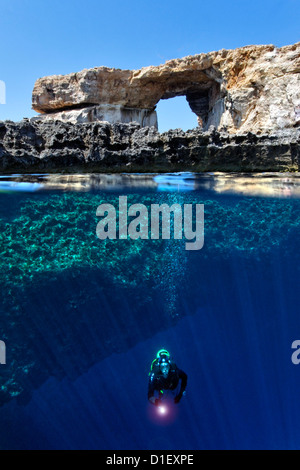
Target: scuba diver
{"x": 165, "y": 375}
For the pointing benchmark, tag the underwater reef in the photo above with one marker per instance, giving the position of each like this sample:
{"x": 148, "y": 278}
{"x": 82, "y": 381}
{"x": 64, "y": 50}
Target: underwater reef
{"x": 70, "y": 299}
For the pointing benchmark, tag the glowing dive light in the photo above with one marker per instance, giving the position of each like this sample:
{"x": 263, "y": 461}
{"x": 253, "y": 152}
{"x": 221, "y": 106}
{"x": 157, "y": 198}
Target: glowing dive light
{"x": 162, "y": 409}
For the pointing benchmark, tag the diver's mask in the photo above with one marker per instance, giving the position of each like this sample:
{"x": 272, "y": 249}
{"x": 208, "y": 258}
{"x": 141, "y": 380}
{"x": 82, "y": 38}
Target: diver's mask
{"x": 165, "y": 367}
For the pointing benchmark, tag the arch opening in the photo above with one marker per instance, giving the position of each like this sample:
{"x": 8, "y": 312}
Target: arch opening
{"x": 175, "y": 113}
{"x": 205, "y": 100}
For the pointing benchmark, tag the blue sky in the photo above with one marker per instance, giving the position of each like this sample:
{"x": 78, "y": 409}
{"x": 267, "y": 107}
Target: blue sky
{"x": 40, "y": 37}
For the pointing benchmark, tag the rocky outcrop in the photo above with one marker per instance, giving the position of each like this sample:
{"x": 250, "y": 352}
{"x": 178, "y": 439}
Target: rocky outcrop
{"x": 54, "y": 146}
{"x": 250, "y": 89}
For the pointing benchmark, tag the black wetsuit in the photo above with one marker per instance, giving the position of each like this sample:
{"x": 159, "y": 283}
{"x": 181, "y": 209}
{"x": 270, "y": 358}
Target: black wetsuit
{"x": 158, "y": 382}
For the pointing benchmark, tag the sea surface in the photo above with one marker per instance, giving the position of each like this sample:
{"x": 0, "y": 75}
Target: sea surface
{"x": 82, "y": 319}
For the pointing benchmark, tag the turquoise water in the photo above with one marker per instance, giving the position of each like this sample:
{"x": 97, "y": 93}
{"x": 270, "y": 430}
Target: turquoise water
{"x": 82, "y": 318}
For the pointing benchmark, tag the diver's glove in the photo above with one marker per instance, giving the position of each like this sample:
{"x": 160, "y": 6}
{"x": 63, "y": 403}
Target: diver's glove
{"x": 178, "y": 398}
{"x": 155, "y": 401}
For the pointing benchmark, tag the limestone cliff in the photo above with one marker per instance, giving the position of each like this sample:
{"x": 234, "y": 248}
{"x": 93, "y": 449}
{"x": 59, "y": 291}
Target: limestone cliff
{"x": 253, "y": 88}
{"x": 56, "y": 146}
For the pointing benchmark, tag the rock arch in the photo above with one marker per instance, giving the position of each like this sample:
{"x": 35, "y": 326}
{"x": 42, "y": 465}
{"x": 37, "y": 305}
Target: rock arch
{"x": 253, "y": 88}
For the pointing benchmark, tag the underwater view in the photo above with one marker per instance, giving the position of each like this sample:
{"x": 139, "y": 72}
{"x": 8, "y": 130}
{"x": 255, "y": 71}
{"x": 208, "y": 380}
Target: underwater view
{"x": 82, "y": 318}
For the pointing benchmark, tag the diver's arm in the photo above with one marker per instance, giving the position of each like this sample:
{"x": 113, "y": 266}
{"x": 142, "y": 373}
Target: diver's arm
{"x": 151, "y": 396}
{"x": 183, "y": 377}
{"x": 151, "y": 388}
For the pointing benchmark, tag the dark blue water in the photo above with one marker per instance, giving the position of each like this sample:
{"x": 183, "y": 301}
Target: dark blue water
{"x": 82, "y": 323}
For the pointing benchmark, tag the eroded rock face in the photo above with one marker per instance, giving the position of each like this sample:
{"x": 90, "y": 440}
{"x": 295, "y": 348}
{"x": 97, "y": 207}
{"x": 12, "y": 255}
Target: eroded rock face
{"x": 253, "y": 88}
{"x": 102, "y": 147}
{"x": 110, "y": 113}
